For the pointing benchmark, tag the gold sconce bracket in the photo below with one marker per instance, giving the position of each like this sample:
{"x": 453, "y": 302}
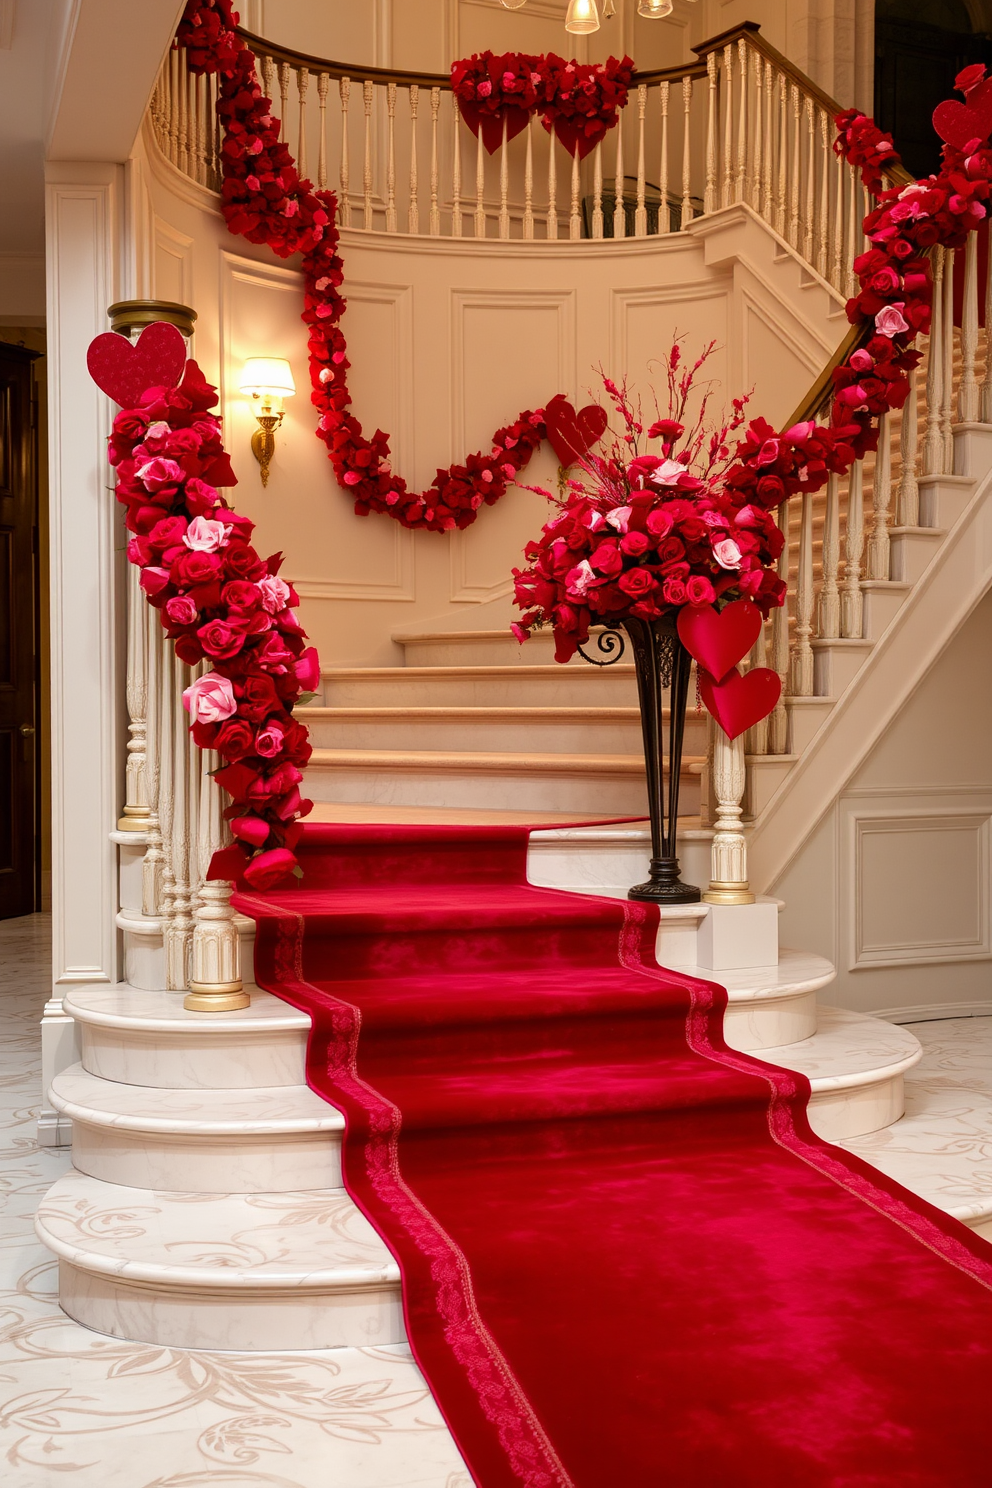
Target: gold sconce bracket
{"x": 263, "y": 441}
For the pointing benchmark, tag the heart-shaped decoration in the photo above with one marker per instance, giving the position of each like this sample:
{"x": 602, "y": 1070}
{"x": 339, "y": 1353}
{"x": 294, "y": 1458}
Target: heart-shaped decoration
{"x": 960, "y": 123}
{"x": 719, "y": 639}
{"x": 739, "y": 702}
{"x": 124, "y": 372}
{"x": 572, "y": 434}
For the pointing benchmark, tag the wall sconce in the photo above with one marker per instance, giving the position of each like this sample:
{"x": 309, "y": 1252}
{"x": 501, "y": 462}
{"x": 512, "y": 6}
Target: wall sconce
{"x": 266, "y": 380}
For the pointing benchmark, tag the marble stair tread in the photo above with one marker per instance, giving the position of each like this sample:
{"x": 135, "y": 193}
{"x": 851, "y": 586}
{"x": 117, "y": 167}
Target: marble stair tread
{"x": 315, "y": 1240}
{"x": 281, "y": 1110}
{"x": 797, "y": 973}
{"x": 848, "y": 1050}
{"x": 940, "y": 1150}
{"x": 163, "y": 1012}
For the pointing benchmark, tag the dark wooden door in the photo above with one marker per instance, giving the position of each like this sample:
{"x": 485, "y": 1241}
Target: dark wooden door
{"x": 915, "y": 68}
{"x": 18, "y": 635}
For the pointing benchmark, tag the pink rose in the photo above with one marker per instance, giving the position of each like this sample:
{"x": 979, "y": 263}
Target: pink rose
{"x": 307, "y": 670}
{"x": 727, "y": 553}
{"x": 269, "y": 740}
{"x": 270, "y": 868}
{"x": 579, "y": 579}
{"x": 699, "y": 590}
{"x": 275, "y": 594}
{"x": 890, "y": 320}
{"x": 619, "y": 517}
{"x": 210, "y": 699}
{"x": 205, "y": 535}
{"x": 181, "y": 610}
{"x": 155, "y": 475}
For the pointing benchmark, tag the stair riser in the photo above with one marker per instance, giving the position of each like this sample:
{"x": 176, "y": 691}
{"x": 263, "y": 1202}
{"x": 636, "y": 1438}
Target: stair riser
{"x": 484, "y": 651}
{"x": 584, "y": 795}
{"x": 835, "y": 670}
{"x": 189, "y": 1061}
{"x": 765, "y": 775}
{"x": 279, "y": 1318}
{"x": 912, "y": 554}
{"x": 806, "y": 721}
{"x": 768, "y": 1023}
{"x": 236, "y": 1164}
{"x": 569, "y": 687}
{"x": 854, "y": 1112}
{"x": 880, "y": 609}
{"x": 511, "y": 738}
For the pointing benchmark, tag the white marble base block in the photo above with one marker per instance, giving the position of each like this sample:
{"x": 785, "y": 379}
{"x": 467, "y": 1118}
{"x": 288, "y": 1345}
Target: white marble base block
{"x": 735, "y": 936}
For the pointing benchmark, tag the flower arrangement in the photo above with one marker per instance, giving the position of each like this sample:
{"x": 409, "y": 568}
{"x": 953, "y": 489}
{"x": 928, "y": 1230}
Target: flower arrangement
{"x": 579, "y": 101}
{"x": 222, "y": 605}
{"x": 862, "y": 144}
{"x": 647, "y": 532}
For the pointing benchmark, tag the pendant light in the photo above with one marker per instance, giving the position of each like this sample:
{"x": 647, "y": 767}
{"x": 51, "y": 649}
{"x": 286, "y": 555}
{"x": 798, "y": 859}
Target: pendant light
{"x": 512, "y": 4}
{"x": 582, "y": 17}
{"x": 654, "y": 10}
{"x": 609, "y": 10}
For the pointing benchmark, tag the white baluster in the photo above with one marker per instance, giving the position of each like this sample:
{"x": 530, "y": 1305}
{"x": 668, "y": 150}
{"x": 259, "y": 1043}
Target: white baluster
{"x": 391, "y": 220}
{"x": 727, "y": 194}
{"x": 794, "y": 184}
{"x": 821, "y": 243}
{"x": 504, "y": 188}
{"x": 480, "y": 187}
{"x": 779, "y": 660}
{"x": 575, "y": 213}
{"x": 802, "y": 657}
{"x": 367, "y": 95}
{"x": 165, "y": 795}
{"x": 853, "y": 232}
{"x": 664, "y": 210}
{"x": 756, "y": 738}
{"x": 851, "y": 599}
{"x": 986, "y": 398}
{"x": 641, "y": 213}
{"x": 456, "y": 172}
{"x": 810, "y": 180}
{"x": 413, "y": 211}
{"x": 740, "y": 185}
{"x": 344, "y": 204}
{"x": 180, "y": 927}
{"x": 215, "y": 985}
{"x": 757, "y": 172}
{"x": 152, "y": 862}
{"x": 173, "y": 114}
{"x": 908, "y": 500}
{"x": 933, "y": 444}
{"x": 709, "y": 195}
{"x": 781, "y": 208}
{"x": 137, "y": 808}
{"x": 435, "y": 209}
{"x": 968, "y": 398}
{"x": 283, "y": 72}
{"x": 729, "y": 883}
{"x": 828, "y": 606}
{"x": 183, "y": 128}
{"x": 947, "y": 400}
{"x": 302, "y": 88}
{"x": 528, "y": 226}
{"x": 767, "y": 204}
{"x": 878, "y": 543}
{"x": 268, "y": 76}
{"x": 323, "y": 83}
{"x": 686, "y": 214}
{"x": 597, "y": 187}
{"x": 840, "y": 182}
{"x": 619, "y": 215}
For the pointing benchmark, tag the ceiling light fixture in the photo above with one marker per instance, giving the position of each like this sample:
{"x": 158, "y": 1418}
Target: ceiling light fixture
{"x": 512, "y": 4}
{"x": 654, "y": 10}
{"x": 582, "y": 17}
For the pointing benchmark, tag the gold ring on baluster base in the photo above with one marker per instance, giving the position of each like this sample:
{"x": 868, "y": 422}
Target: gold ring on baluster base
{"x": 728, "y": 893}
{"x": 216, "y": 997}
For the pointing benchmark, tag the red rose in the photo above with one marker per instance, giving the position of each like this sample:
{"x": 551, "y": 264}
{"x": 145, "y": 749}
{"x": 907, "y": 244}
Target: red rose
{"x": 221, "y": 638}
{"x": 235, "y": 738}
{"x": 181, "y": 610}
{"x": 242, "y": 562}
{"x": 195, "y": 568}
{"x": 259, "y": 698}
{"x": 638, "y": 582}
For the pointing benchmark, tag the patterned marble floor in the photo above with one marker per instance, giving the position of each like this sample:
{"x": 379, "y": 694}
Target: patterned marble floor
{"x": 80, "y": 1409}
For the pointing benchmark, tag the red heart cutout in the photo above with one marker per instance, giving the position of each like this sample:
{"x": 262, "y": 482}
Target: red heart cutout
{"x": 719, "y": 639}
{"x": 124, "y": 372}
{"x": 960, "y": 123}
{"x": 739, "y": 702}
{"x": 572, "y": 434}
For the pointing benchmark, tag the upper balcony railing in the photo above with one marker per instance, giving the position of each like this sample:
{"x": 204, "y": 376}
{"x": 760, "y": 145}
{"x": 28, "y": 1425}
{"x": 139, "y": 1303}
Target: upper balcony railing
{"x": 740, "y": 125}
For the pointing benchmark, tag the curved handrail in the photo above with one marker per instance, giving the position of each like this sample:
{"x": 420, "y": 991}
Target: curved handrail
{"x": 258, "y": 44}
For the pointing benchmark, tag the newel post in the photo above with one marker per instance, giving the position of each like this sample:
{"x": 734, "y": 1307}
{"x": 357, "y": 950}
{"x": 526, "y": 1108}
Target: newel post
{"x": 729, "y": 883}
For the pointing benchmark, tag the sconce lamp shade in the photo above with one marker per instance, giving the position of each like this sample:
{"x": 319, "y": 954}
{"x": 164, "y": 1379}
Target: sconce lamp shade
{"x": 267, "y": 375}
{"x": 654, "y": 10}
{"x": 582, "y": 17}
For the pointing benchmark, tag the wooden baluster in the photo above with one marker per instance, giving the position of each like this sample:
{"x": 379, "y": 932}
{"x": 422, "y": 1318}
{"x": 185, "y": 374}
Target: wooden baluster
{"x": 344, "y": 204}
{"x": 853, "y": 232}
{"x": 456, "y": 171}
{"x": 368, "y": 94}
{"x": 709, "y": 196}
{"x": 878, "y": 543}
{"x": 480, "y": 187}
{"x": 851, "y": 599}
{"x": 908, "y": 499}
{"x": 986, "y": 397}
{"x": 435, "y": 209}
{"x": 504, "y": 186}
{"x": 268, "y": 76}
{"x": 686, "y": 214}
{"x": 756, "y": 738}
{"x": 933, "y": 444}
{"x": 794, "y": 183}
{"x": 641, "y": 214}
{"x": 840, "y": 181}
{"x": 302, "y": 88}
{"x": 664, "y": 210}
{"x": 947, "y": 400}
{"x": 552, "y": 218}
{"x": 739, "y": 186}
{"x": 201, "y": 131}
{"x": 154, "y": 858}
{"x": 391, "y": 221}
{"x": 828, "y": 606}
{"x": 182, "y": 156}
{"x": 821, "y": 242}
{"x": 778, "y": 723}
{"x": 165, "y": 794}
{"x": 413, "y": 210}
{"x": 757, "y": 172}
{"x": 810, "y": 180}
{"x": 575, "y": 212}
{"x": 180, "y": 928}
{"x": 323, "y": 83}
{"x": 802, "y": 657}
{"x": 728, "y": 853}
{"x": 767, "y": 205}
{"x": 597, "y": 189}
{"x": 283, "y": 72}
{"x": 529, "y": 187}
{"x": 727, "y": 194}
{"x": 619, "y": 216}
{"x": 172, "y": 64}
{"x": 781, "y": 209}
{"x": 968, "y": 398}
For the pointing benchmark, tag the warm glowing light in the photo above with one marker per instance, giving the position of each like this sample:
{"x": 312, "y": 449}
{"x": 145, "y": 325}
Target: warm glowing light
{"x": 653, "y": 10}
{"x": 582, "y": 17}
{"x": 512, "y": 4}
{"x": 270, "y": 376}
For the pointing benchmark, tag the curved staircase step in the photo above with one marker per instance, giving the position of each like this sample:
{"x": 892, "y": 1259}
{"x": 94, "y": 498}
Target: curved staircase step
{"x": 547, "y": 684}
{"x": 140, "y": 1037}
{"x": 301, "y": 1270}
{"x": 203, "y": 1141}
{"x": 771, "y": 1008}
{"x": 855, "y": 1066}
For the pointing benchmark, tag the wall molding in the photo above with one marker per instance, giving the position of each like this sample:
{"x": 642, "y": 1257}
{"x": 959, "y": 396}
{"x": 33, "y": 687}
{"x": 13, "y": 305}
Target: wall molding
{"x": 928, "y": 1012}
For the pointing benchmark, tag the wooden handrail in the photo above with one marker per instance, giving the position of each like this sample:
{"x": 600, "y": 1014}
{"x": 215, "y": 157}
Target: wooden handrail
{"x": 259, "y": 45}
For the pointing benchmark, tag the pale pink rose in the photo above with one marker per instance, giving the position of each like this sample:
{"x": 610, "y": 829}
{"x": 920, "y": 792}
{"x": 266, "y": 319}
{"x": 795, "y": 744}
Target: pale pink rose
{"x": 727, "y": 553}
{"x": 210, "y": 699}
{"x": 159, "y": 430}
{"x": 155, "y": 474}
{"x": 594, "y": 520}
{"x": 275, "y": 594}
{"x": 204, "y": 535}
{"x": 890, "y": 320}
{"x": 619, "y": 517}
{"x": 667, "y": 472}
{"x": 579, "y": 579}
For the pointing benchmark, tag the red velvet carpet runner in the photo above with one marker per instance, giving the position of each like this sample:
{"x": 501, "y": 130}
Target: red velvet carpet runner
{"x": 627, "y": 1261}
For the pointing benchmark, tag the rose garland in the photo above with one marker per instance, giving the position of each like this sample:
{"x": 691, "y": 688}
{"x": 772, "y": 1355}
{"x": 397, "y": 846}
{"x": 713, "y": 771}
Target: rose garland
{"x": 219, "y": 602}
{"x": 265, "y": 201}
{"x": 579, "y": 101}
